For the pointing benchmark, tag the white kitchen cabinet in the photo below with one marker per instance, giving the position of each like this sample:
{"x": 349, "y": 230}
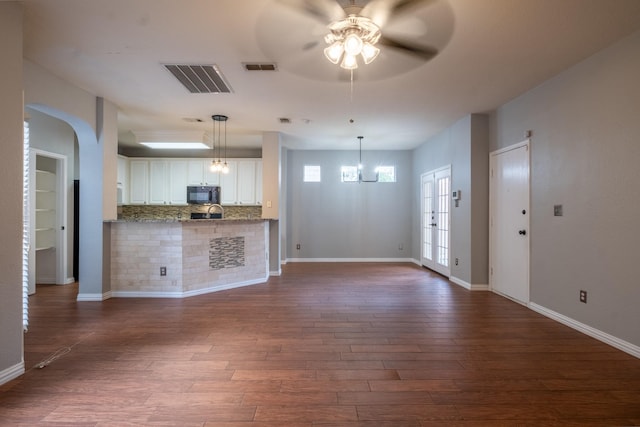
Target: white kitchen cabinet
{"x": 158, "y": 182}
{"x": 258, "y": 181}
{"x": 123, "y": 180}
{"x": 178, "y": 182}
{"x": 229, "y": 184}
{"x": 246, "y": 182}
{"x": 165, "y": 181}
{"x": 168, "y": 182}
{"x": 139, "y": 182}
{"x": 199, "y": 173}
{"x": 210, "y": 177}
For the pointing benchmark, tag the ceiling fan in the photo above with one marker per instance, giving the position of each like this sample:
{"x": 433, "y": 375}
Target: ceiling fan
{"x": 356, "y": 30}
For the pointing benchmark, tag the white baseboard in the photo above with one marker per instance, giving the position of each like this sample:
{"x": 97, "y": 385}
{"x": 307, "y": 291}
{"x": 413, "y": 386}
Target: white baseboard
{"x": 469, "y": 286}
{"x": 69, "y": 281}
{"x": 349, "y": 260}
{"x": 11, "y": 373}
{"x": 618, "y": 343}
{"x": 158, "y": 294}
{"x": 278, "y": 272}
{"x": 94, "y": 297}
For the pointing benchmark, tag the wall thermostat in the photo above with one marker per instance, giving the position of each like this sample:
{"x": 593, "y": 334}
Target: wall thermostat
{"x": 455, "y": 195}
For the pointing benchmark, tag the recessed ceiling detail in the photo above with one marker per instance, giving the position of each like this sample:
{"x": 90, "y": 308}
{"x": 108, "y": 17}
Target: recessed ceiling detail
{"x": 270, "y": 66}
{"x": 199, "y": 78}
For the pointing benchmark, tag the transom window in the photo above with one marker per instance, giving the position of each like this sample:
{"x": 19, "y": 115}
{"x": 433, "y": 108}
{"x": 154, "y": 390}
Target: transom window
{"x": 311, "y": 173}
{"x": 349, "y": 174}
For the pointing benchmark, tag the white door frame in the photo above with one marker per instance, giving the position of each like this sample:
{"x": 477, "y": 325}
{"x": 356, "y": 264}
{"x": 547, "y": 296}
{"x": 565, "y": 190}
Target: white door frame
{"x": 494, "y": 242}
{"x": 434, "y": 265}
{"x": 61, "y": 215}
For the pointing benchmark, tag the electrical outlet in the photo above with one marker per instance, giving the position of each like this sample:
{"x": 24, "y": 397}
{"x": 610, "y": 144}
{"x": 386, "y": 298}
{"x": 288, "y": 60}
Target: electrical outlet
{"x": 456, "y": 261}
{"x": 557, "y": 210}
{"x": 163, "y": 271}
{"x": 400, "y": 247}
{"x": 298, "y": 246}
{"x": 583, "y": 296}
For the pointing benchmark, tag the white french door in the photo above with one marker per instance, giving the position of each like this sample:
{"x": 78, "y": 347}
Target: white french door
{"x": 509, "y": 222}
{"x": 436, "y": 220}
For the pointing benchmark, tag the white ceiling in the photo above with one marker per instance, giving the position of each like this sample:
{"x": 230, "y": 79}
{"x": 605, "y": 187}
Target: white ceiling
{"x": 490, "y": 52}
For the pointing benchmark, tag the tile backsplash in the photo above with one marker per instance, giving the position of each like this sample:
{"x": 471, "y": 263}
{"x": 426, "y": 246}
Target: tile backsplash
{"x": 184, "y": 212}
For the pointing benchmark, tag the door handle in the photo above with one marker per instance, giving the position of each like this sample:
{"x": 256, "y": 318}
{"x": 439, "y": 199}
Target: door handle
{"x": 522, "y": 232}
{"x": 434, "y": 224}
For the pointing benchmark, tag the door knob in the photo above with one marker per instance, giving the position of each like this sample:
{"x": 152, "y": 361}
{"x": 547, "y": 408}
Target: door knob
{"x": 522, "y": 232}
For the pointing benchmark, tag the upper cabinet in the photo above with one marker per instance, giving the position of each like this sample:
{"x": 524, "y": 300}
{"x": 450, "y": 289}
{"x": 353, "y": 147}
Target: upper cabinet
{"x": 246, "y": 182}
{"x": 178, "y": 174}
{"x": 139, "y": 182}
{"x": 229, "y": 184}
{"x": 123, "y": 180}
{"x": 158, "y": 182}
{"x": 258, "y": 181}
{"x": 165, "y": 181}
{"x": 199, "y": 173}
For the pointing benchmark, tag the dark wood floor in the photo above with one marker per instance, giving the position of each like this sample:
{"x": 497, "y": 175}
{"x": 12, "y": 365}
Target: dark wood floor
{"x": 323, "y": 345}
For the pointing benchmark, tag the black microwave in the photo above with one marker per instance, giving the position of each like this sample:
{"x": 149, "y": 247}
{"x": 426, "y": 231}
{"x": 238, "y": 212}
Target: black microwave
{"x": 203, "y": 195}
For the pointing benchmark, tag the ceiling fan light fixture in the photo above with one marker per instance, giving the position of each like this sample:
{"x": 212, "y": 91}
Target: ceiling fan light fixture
{"x": 353, "y": 44}
{"x": 349, "y": 62}
{"x": 334, "y": 52}
{"x": 350, "y": 37}
{"x": 369, "y": 53}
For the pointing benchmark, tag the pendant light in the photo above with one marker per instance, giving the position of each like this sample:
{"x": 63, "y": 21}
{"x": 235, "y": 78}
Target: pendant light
{"x": 216, "y": 164}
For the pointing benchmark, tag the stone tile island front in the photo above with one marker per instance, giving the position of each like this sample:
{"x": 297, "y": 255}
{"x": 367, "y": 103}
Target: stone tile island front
{"x": 182, "y": 258}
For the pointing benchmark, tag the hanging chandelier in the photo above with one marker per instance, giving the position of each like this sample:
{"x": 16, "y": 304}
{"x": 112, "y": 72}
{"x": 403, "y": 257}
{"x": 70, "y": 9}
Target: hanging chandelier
{"x": 355, "y": 35}
{"x": 216, "y": 164}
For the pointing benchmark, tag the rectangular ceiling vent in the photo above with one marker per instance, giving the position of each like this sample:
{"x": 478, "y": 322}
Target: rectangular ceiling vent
{"x": 251, "y": 66}
{"x": 199, "y": 78}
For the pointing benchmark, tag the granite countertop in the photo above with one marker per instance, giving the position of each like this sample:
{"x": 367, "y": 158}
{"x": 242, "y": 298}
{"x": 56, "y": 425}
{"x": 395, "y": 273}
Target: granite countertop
{"x": 183, "y": 220}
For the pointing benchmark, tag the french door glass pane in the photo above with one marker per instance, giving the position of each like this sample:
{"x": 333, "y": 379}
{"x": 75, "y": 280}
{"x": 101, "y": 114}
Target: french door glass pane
{"x": 443, "y": 221}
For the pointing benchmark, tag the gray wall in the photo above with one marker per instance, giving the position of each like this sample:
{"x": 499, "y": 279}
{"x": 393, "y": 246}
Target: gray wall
{"x": 464, "y": 146}
{"x": 585, "y": 155}
{"x": 11, "y": 161}
{"x": 332, "y": 219}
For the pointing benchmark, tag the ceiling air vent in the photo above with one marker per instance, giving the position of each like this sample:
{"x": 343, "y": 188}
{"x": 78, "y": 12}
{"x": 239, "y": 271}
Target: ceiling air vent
{"x": 199, "y": 78}
{"x": 259, "y": 66}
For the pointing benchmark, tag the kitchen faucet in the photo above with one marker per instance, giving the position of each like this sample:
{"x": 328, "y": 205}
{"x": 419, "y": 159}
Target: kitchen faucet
{"x": 215, "y": 205}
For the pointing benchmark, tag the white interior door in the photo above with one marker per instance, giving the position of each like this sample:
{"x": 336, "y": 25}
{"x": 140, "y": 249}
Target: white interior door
{"x": 436, "y": 220}
{"x": 509, "y": 222}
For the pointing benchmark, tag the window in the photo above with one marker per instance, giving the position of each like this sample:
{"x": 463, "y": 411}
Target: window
{"x": 349, "y": 173}
{"x": 311, "y": 173}
{"x": 386, "y": 173}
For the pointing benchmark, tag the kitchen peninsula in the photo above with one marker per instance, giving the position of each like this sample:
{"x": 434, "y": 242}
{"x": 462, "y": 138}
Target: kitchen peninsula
{"x": 176, "y": 258}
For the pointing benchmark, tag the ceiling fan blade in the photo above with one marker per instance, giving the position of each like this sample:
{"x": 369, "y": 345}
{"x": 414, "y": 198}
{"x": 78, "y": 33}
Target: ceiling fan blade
{"x": 325, "y": 10}
{"x": 381, "y": 11}
{"x": 423, "y": 52}
{"x": 404, "y": 6}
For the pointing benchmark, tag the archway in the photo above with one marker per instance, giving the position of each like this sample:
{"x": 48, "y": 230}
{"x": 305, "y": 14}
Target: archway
{"x": 93, "y": 273}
